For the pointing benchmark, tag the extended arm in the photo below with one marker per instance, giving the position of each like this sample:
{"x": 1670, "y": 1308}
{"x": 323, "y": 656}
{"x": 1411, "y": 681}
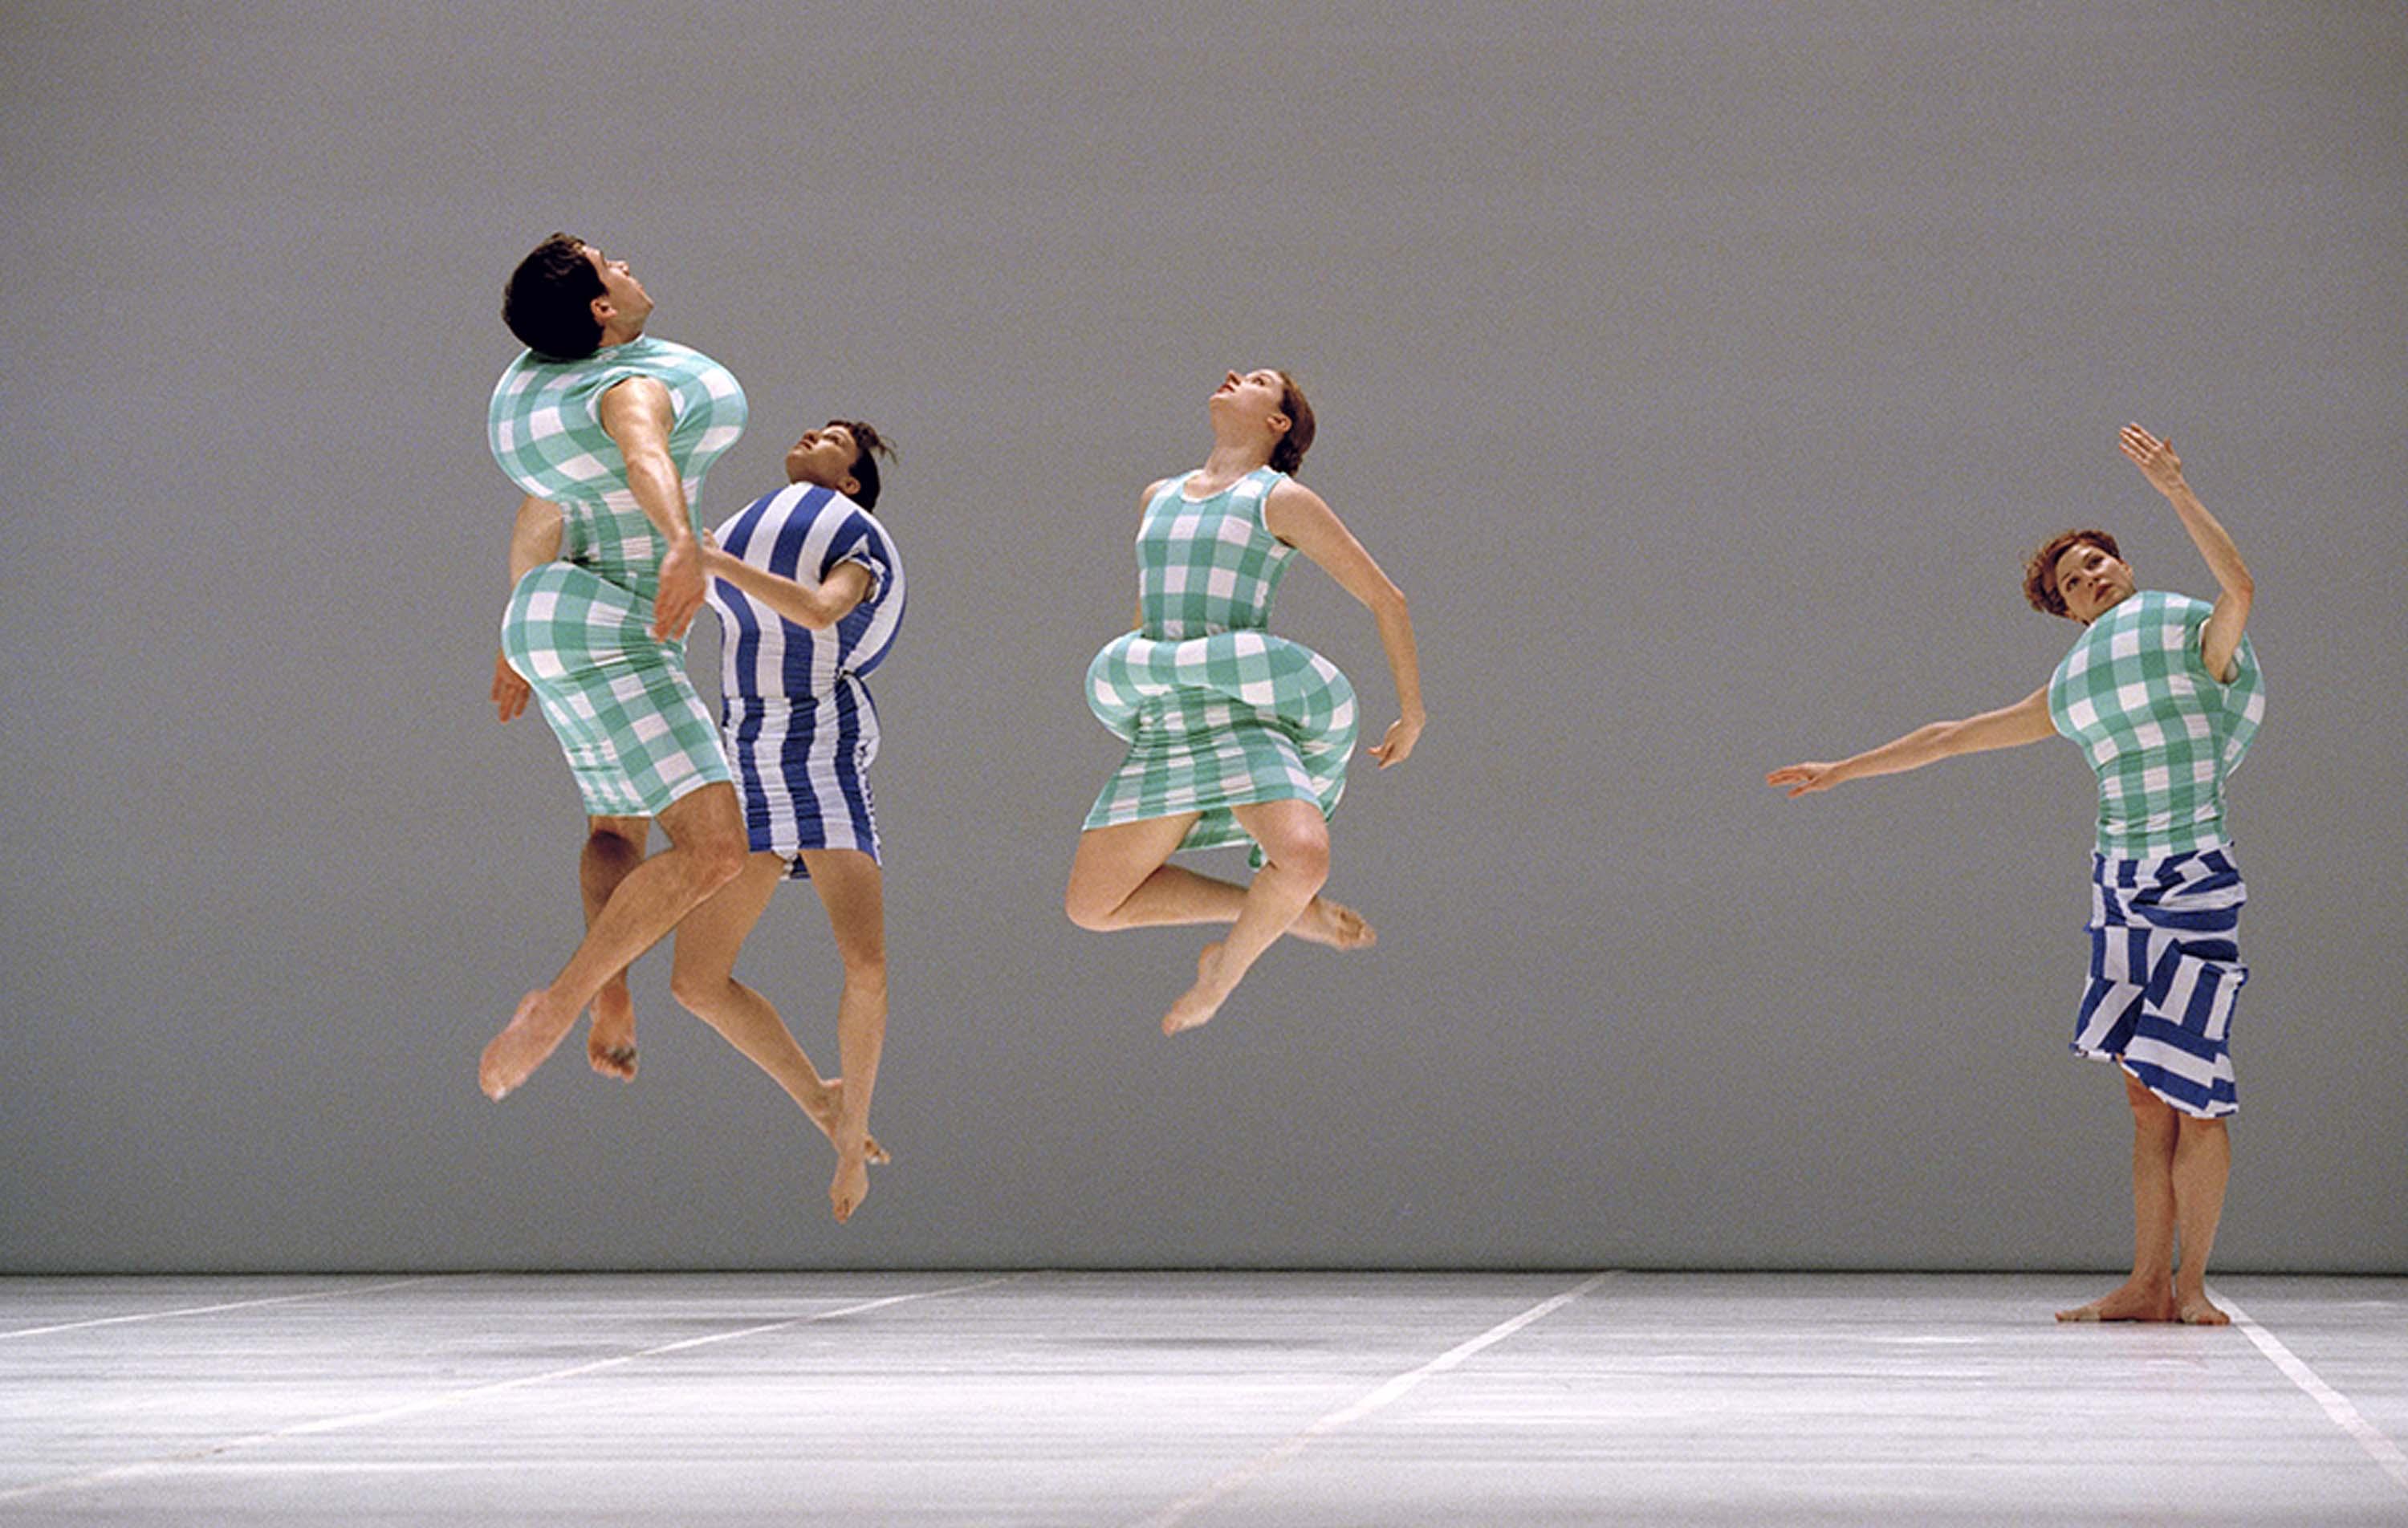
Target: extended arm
{"x": 2010, "y": 726}
{"x": 815, "y": 606}
{"x": 1296, "y": 515}
{"x": 534, "y": 540}
{"x": 2222, "y": 637}
{"x": 637, "y": 415}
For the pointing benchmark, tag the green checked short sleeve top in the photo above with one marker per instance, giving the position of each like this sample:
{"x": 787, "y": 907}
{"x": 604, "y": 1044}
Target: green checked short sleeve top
{"x": 546, "y": 430}
{"x": 1216, "y": 710}
{"x": 2161, "y": 732}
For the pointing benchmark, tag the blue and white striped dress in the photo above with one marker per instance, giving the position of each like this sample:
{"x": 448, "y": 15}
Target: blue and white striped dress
{"x": 798, "y": 724}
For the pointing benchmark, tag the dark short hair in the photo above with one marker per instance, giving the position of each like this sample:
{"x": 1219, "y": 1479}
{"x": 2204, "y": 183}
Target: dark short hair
{"x": 866, "y": 441}
{"x": 1287, "y": 453}
{"x": 2040, "y": 573}
{"x": 549, "y": 300}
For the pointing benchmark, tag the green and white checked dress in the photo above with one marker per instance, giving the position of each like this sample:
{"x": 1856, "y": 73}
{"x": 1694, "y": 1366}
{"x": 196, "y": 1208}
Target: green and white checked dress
{"x": 2161, "y": 731}
{"x": 1217, "y": 711}
{"x": 636, "y": 733}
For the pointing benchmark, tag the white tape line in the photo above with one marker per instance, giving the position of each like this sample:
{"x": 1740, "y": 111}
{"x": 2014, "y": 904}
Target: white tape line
{"x": 208, "y": 1310}
{"x": 2345, "y": 1415}
{"x": 1385, "y": 1394}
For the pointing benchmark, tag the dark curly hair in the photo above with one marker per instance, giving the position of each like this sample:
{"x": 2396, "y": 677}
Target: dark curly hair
{"x": 549, "y": 300}
{"x": 2040, "y": 572}
{"x": 865, "y": 440}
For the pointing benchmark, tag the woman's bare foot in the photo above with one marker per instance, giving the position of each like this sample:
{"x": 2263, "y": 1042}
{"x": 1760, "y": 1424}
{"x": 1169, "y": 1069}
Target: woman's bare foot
{"x": 850, "y": 1186}
{"x": 611, "y": 1041}
{"x": 830, "y": 1108}
{"x": 2128, "y": 1302}
{"x": 511, "y": 1056}
{"x": 2199, "y": 1311}
{"x": 1326, "y": 922}
{"x": 1199, "y": 1004}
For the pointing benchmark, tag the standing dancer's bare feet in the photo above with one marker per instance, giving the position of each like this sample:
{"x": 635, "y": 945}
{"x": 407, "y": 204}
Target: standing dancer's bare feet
{"x": 1326, "y": 922}
{"x": 521, "y": 1046}
{"x": 2130, "y": 1302}
{"x": 1199, "y": 1004}
{"x": 2199, "y": 1311}
{"x": 611, "y": 1041}
{"x": 829, "y": 1108}
{"x": 850, "y": 1186}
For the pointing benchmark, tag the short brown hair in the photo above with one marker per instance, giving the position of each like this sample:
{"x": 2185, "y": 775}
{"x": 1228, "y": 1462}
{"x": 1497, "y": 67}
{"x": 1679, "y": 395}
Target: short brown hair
{"x": 1287, "y": 452}
{"x": 2040, "y": 573}
{"x": 865, "y": 440}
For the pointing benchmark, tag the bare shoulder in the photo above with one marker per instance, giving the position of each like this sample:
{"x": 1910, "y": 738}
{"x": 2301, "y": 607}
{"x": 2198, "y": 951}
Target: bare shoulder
{"x": 1145, "y": 499}
{"x": 1294, "y": 512}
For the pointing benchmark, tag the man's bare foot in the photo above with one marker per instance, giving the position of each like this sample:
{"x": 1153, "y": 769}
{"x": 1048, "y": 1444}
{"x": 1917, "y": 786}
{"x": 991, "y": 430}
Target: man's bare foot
{"x": 1326, "y": 922}
{"x": 850, "y": 1186}
{"x": 1197, "y": 1004}
{"x": 2199, "y": 1311}
{"x": 521, "y": 1046}
{"x": 611, "y": 1041}
{"x": 830, "y": 1108}
{"x": 2130, "y": 1302}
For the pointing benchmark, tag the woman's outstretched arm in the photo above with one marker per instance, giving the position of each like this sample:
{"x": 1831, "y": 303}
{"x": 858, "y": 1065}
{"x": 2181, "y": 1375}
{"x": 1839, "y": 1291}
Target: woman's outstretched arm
{"x": 1298, "y": 516}
{"x": 2222, "y": 639}
{"x": 2010, "y": 726}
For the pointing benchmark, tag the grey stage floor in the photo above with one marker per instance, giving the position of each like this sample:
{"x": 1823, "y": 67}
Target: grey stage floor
{"x": 1191, "y": 1398}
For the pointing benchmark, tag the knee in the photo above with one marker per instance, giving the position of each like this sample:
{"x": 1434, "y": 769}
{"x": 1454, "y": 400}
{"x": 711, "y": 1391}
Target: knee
{"x": 697, "y": 992}
{"x": 1303, "y": 853}
{"x": 1095, "y": 914}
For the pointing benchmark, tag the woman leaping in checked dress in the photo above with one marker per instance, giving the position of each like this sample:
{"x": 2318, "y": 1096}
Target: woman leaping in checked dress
{"x": 2162, "y": 693}
{"x": 1233, "y": 734}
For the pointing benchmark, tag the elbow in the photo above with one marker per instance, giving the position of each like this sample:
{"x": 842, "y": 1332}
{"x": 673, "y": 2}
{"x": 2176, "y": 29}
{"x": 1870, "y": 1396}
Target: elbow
{"x": 1388, "y": 604}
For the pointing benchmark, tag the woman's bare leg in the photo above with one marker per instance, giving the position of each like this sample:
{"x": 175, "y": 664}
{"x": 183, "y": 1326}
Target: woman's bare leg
{"x": 2203, "y": 1165}
{"x": 703, "y": 980}
{"x": 1120, "y": 880}
{"x": 854, "y": 893}
{"x": 707, "y": 850}
{"x": 2148, "y": 1295}
{"x": 1295, "y": 842}
{"x": 613, "y": 846}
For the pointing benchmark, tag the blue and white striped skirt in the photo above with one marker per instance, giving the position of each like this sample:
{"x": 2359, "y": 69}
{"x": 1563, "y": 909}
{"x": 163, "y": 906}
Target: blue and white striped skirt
{"x": 2165, "y": 966}
{"x": 801, "y": 765}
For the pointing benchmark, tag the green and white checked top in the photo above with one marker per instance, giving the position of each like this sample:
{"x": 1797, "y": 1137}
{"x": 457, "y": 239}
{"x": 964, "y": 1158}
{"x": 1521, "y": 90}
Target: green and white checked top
{"x": 2161, "y": 732}
{"x": 546, "y": 430}
{"x": 1216, "y": 710}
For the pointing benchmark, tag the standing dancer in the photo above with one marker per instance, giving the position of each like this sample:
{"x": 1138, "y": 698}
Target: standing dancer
{"x": 616, "y": 428}
{"x": 2162, "y": 693}
{"x": 809, "y": 591}
{"x": 1234, "y": 734}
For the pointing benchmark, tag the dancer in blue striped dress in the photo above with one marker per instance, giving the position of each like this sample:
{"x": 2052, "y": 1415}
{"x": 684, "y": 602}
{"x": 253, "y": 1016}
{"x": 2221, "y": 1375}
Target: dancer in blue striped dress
{"x": 1233, "y": 734}
{"x": 809, "y": 592}
{"x": 2163, "y": 695}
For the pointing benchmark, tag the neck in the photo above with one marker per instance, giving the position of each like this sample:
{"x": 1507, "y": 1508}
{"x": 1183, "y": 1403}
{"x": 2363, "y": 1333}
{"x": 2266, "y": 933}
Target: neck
{"x": 1230, "y": 462}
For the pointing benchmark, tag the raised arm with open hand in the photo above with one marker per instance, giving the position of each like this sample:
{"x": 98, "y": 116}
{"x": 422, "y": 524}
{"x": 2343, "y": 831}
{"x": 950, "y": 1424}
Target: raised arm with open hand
{"x": 2010, "y": 726}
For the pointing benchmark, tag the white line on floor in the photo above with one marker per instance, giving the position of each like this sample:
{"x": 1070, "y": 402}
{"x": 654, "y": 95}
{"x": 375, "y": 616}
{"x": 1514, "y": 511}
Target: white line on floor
{"x": 1393, "y": 1390}
{"x": 206, "y": 1310}
{"x": 2345, "y": 1415}
{"x": 460, "y": 1398}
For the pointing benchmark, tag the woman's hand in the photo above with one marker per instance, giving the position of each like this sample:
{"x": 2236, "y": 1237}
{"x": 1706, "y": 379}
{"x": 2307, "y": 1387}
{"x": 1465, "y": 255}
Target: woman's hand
{"x": 2156, "y": 458}
{"x": 1802, "y": 777}
{"x": 510, "y": 691}
{"x": 1398, "y": 746}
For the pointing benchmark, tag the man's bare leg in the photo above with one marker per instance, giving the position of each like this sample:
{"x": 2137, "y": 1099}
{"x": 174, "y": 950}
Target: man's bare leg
{"x": 854, "y": 892}
{"x": 1120, "y": 880}
{"x": 2148, "y": 1295}
{"x": 613, "y": 846}
{"x": 1295, "y": 840}
{"x": 707, "y": 850}
{"x": 703, "y": 980}
{"x": 2202, "y": 1165}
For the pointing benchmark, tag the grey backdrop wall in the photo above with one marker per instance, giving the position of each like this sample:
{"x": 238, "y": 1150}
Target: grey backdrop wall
{"x": 1702, "y": 371}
